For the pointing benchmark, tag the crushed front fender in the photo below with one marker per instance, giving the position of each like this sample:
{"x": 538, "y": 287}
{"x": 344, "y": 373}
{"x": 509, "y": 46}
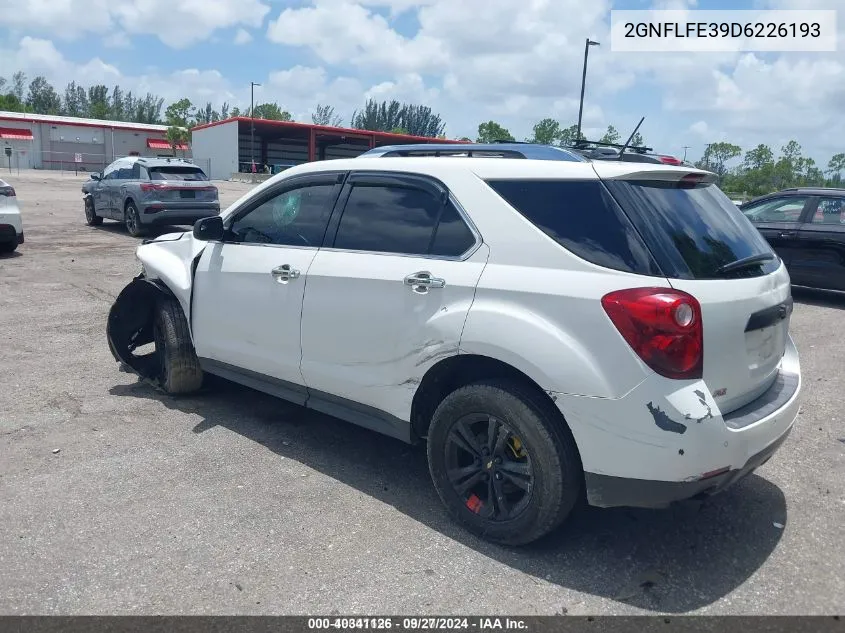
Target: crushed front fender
{"x": 130, "y": 326}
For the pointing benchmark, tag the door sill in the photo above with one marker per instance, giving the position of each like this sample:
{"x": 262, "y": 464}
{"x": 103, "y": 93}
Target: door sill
{"x": 348, "y": 410}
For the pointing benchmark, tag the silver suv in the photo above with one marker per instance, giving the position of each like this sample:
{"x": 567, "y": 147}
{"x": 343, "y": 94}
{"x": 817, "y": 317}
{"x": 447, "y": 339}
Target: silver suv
{"x": 143, "y": 192}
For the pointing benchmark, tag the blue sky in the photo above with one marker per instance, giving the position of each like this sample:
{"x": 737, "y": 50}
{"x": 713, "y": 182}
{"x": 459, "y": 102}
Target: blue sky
{"x": 474, "y": 60}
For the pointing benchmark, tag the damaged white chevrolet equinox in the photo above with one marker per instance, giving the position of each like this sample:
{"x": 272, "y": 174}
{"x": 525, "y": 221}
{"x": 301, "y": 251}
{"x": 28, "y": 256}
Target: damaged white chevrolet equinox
{"x": 553, "y": 329}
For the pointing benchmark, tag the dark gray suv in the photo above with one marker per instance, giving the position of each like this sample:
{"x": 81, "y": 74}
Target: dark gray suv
{"x": 144, "y": 192}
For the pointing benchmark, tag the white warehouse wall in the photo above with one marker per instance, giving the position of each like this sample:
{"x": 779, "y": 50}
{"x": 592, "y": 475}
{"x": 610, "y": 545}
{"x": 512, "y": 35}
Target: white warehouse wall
{"x": 218, "y": 145}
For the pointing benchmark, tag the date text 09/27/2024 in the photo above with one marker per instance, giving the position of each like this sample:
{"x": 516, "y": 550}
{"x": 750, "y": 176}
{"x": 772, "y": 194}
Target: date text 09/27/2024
{"x": 418, "y": 624}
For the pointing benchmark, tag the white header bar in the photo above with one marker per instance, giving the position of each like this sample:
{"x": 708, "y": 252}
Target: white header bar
{"x": 704, "y": 31}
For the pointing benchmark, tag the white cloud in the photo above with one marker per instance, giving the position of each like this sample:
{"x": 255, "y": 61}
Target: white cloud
{"x": 700, "y": 128}
{"x": 177, "y": 24}
{"x": 41, "y": 57}
{"x": 243, "y": 37}
{"x": 471, "y": 61}
{"x": 117, "y": 40}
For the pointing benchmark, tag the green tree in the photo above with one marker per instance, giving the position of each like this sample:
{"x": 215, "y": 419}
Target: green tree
{"x": 791, "y": 151}
{"x": 10, "y": 103}
{"x": 378, "y": 117}
{"x": 491, "y": 131}
{"x": 717, "y": 155}
{"x": 637, "y": 141}
{"x": 180, "y": 114}
{"x": 207, "y": 114}
{"x": 18, "y": 84}
{"x": 569, "y": 135}
{"x": 75, "y": 101}
{"x": 177, "y": 136}
{"x": 236, "y": 112}
{"x": 418, "y": 120}
{"x": 758, "y": 157}
{"x": 98, "y": 102}
{"x": 611, "y": 136}
{"x": 148, "y": 109}
{"x": 835, "y": 167}
{"x": 42, "y": 97}
{"x": 272, "y": 112}
{"x": 325, "y": 115}
{"x": 547, "y": 132}
{"x": 118, "y": 105}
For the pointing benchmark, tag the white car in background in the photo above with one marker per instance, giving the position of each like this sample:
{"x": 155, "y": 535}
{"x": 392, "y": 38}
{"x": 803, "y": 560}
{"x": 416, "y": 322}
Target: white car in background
{"x": 11, "y": 227}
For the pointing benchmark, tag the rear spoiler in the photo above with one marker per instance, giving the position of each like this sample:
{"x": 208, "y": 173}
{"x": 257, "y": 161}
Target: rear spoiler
{"x": 671, "y": 174}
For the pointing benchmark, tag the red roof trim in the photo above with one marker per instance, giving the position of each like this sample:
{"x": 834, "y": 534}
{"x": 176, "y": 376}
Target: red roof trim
{"x": 160, "y": 143}
{"x": 105, "y": 125}
{"x": 16, "y": 133}
{"x": 335, "y": 131}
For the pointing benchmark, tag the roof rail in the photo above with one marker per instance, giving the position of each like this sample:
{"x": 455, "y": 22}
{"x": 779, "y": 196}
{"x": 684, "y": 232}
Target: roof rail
{"x": 531, "y": 151}
{"x": 585, "y": 144}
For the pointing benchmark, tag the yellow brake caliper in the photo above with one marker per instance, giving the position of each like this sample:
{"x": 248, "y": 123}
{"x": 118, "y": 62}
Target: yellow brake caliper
{"x": 517, "y": 450}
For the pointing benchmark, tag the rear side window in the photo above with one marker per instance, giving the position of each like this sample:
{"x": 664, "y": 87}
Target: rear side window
{"x": 176, "y": 173}
{"x": 777, "y": 210}
{"x": 403, "y": 220}
{"x": 581, "y": 216}
{"x": 692, "y": 231}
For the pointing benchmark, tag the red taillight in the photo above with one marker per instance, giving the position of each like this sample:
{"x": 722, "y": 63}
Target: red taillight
{"x": 150, "y": 186}
{"x": 670, "y": 160}
{"x": 7, "y": 191}
{"x": 663, "y": 326}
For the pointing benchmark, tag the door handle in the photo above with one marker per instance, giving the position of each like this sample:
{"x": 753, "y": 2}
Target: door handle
{"x": 788, "y": 233}
{"x": 284, "y": 273}
{"x": 421, "y": 281}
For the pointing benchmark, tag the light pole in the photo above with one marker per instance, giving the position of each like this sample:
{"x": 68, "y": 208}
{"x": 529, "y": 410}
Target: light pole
{"x": 587, "y": 46}
{"x": 252, "y": 86}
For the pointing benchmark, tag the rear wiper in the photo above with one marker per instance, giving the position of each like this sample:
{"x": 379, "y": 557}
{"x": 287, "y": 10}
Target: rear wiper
{"x": 745, "y": 262}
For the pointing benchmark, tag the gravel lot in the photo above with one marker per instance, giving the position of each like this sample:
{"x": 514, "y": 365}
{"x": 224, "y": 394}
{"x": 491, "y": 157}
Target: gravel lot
{"x": 116, "y": 499}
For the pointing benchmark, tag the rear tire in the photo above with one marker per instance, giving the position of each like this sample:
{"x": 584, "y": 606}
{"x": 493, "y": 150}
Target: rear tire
{"x": 91, "y": 217}
{"x": 8, "y": 247}
{"x": 133, "y": 221}
{"x": 179, "y": 368}
{"x": 524, "y": 491}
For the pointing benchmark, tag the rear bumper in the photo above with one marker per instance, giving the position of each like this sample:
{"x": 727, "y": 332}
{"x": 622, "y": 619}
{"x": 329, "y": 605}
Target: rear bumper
{"x": 607, "y": 491}
{"x": 176, "y": 214}
{"x": 667, "y": 440}
{"x": 10, "y": 233}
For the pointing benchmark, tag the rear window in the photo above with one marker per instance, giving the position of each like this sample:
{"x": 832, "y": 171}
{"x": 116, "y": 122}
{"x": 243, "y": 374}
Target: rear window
{"x": 582, "y": 217}
{"x": 692, "y": 231}
{"x": 176, "y": 173}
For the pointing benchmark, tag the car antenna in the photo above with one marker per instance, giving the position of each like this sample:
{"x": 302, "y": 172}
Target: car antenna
{"x": 631, "y": 138}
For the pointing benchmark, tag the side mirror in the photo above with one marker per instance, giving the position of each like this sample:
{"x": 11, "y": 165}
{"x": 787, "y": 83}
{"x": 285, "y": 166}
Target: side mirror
{"x": 95, "y": 175}
{"x": 209, "y": 229}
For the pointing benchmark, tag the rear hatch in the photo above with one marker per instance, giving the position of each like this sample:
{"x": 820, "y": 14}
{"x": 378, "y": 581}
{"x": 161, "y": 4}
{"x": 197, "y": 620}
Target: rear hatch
{"x": 179, "y": 183}
{"x": 706, "y": 247}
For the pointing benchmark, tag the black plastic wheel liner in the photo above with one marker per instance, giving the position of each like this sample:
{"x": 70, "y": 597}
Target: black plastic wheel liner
{"x": 130, "y": 325}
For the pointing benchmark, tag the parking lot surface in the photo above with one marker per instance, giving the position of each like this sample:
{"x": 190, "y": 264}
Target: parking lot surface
{"x": 117, "y": 499}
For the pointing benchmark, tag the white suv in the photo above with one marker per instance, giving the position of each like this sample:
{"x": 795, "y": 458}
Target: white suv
{"x": 11, "y": 227}
{"x": 553, "y": 330}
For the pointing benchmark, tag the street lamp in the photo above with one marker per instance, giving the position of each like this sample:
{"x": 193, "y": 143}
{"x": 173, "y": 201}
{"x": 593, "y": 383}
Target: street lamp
{"x": 587, "y": 46}
{"x": 252, "y": 86}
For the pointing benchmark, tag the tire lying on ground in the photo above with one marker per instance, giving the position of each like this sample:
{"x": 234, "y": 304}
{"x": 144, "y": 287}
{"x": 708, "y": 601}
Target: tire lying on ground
{"x": 179, "y": 368}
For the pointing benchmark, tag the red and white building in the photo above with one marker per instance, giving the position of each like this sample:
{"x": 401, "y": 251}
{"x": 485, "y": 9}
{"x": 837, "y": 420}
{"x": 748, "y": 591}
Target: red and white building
{"x": 232, "y": 146}
{"x": 40, "y": 141}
